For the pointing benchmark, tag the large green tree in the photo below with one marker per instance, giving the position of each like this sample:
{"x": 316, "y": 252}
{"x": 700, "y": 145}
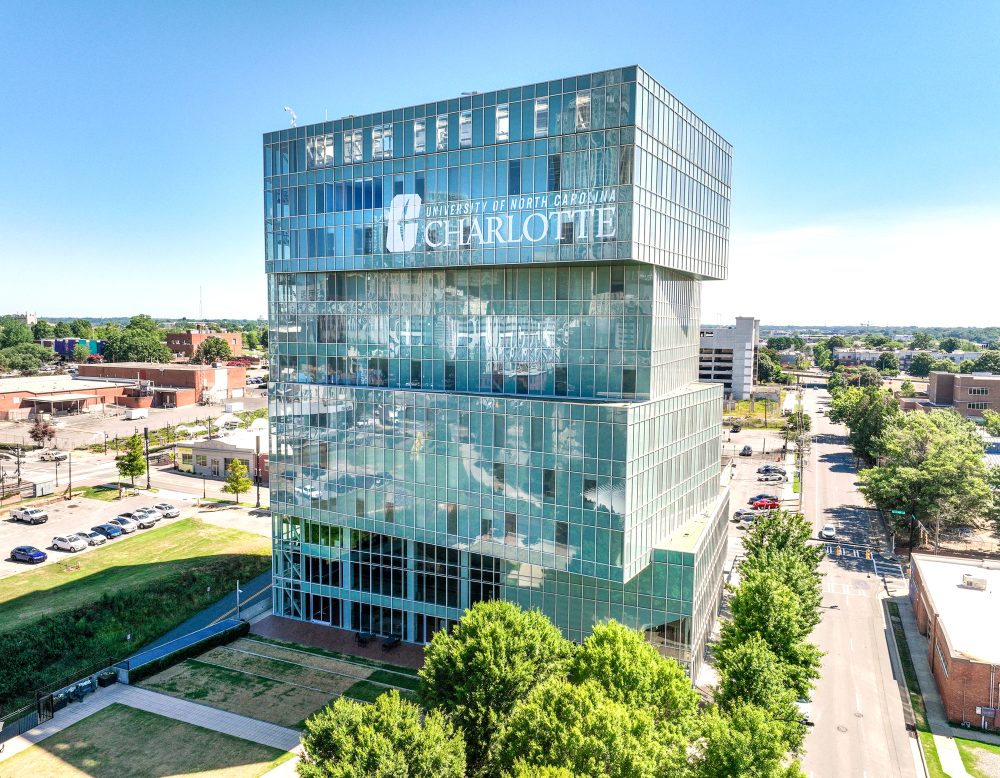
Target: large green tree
{"x": 41, "y": 329}
{"x": 579, "y": 728}
{"x": 25, "y": 358}
{"x": 82, "y": 328}
{"x": 62, "y": 330}
{"x": 132, "y": 462}
{"x": 922, "y": 340}
{"x": 744, "y": 741}
{"x": 989, "y": 362}
{"x": 494, "y": 657}
{"x": 237, "y": 482}
{"x": 932, "y": 466}
{"x": 906, "y": 389}
{"x": 390, "y": 738}
{"x": 213, "y": 349}
{"x": 921, "y": 365}
{"x": 991, "y": 420}
{"x": 867, "y": 413}
{"x": 821, "y": 356}
{"x": 887, "y": 363}
{"x": 13, "y": 332}
{"x": 632, "y": 672}
{"x": 943, "y": 366}
{"x": 135, "y": 344}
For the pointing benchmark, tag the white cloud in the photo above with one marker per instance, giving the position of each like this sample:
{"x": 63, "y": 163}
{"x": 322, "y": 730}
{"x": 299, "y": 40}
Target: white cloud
{"x": 938, "y": 270}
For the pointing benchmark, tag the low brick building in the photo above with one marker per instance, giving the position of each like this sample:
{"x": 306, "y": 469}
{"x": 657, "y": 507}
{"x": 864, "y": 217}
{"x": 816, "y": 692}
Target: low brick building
{"x": 968, "y": 393}
{"x": 956, "y": 603}
{"x": 24, "y": 396}
{"x": 185, "y": 344}
{"x": 158, "y": 385}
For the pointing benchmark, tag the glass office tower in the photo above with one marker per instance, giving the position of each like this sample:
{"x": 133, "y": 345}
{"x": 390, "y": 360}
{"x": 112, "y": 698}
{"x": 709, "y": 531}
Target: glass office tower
{"x": 484, "y": 333}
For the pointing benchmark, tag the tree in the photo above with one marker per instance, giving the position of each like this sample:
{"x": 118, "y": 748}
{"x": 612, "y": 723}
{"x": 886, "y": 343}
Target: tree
{"x": 744, "y": 741}
{"x": 212, "y": 349}
{"x": 867, "y": 413}
{"x": 944, "y": 366}
{"x": 932, "y": 466}
{"x": 13, "y": 332}
{"x": 389, "y": 738}
{"x": 237, "y": 482}
{"x": 921, "y": 340}
{"x": 41, "y": 431}
{"x": 82, "y": 328}
{"x": 906, "y": 389}
{"x": 131, "y": 463}
{"x": 763, "y": 605}
{"x": 80, "y": 352}
{"x": 797, "y": 425}
{"x": 950, "y": 344}
{"x": 62, "y": 330}
{"x": 578, "y": 728}
{"x": 821, "y": 356}
{"x": 135, "y": 345}
{"x": 989, "y": 362}
{"x": 967, "y": 366}
{"x": 991, "y": 420}
{"x": 921, "y": 365}
{"x": 836, "y": 341}
{"x": 25, "y": 358}
{"x": 887, "y": 363}
{"x": 144, "y": 323}
{"x": 263, "y": 337}
{"x": 768, "y": 369}
{"x": 494, "y": 657}
{"x": 251, "y": 340}
{"x": 632, "y": 672}
{"x": 41, "y": 329}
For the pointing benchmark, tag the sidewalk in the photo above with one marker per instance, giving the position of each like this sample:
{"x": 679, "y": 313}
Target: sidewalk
{"x": 171, "y": 707}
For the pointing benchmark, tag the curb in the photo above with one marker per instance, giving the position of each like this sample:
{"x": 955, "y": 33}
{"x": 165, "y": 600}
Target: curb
{"x": 897, "y": 668}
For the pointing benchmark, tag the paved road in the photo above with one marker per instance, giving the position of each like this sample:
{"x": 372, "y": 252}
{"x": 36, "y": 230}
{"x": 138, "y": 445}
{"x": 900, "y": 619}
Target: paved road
{"x": 857, "y": 706}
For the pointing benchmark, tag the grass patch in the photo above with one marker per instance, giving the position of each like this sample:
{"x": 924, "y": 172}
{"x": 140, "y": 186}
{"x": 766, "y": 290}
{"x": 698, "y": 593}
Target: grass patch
{"x": 123, "y": 742}
{"x": 796, "y": 486}
{"x": 395, "y": 679}
{"x": 361, "y": 660}
{"x": 366, "y": 691}
{"x": 60, "y": 622}
{"x": 240, "y": 692}
{"x": 106, "y": 492}
{"x": 931, "y": 757}
{"x": 981, "y": 760}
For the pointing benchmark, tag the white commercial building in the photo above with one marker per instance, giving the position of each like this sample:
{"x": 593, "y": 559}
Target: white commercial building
{"x": 729, "y": 356}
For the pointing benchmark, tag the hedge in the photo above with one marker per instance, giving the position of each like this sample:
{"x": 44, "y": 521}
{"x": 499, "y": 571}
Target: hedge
{"x": 143, "y": 672}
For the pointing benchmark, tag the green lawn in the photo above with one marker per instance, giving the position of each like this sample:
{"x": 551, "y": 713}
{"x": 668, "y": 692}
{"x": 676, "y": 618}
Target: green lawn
{"x": 361, "y": 660}
{"x": 147, "y": 556}
{"x": 982, "y": 760}
{"x": 366, "y": 691}
{"x": 105, "y": 492}
{"x": 123, "y": 742}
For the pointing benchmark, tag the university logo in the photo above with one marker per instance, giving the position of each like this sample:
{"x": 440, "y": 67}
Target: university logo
{"x": 404, "y": 210}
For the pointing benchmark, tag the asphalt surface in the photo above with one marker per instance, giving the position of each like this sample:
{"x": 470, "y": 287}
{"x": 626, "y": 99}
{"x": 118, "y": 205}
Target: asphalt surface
{"x": 857, "y": 706}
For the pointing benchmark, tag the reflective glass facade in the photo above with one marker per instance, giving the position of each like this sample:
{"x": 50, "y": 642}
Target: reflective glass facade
{"x": 484, "y": 318}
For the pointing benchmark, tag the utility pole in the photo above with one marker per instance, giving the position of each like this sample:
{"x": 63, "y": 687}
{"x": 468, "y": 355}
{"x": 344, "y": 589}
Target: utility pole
{"x": 256, "y": 469}
{"x": 145, "y": 432}
{"x": 70, "y": 495}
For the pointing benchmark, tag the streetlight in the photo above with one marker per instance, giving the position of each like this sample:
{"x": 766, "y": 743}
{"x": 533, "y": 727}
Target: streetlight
{"x": 145, "y": 432}
{"x": 57, "y": 472}
{"x": 105, "y": 444}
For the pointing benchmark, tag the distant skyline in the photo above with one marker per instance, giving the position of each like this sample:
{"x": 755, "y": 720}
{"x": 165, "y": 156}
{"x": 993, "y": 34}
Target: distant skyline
{"x": 865, "y": 166}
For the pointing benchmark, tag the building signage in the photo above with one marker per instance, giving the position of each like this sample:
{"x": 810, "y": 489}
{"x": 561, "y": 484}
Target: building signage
{"x": 501, "y": 221}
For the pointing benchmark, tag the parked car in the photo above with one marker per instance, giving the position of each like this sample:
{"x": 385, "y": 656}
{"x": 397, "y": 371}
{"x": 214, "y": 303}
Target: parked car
{"x": 736, "y": 428}
{"x": 125, "y": 524}
{"x": 150, "y": 513}
{"x": 92, "y": 538}
{"x": 746, "y": 451}
{"x": 767, "y": 504}
{"x": 53, "y": 456}
{"x": 110, "y": 531}
{"x": 28, "y": 554}
{"x": 762, "y": 496}
{"x": 138, "y": 518}
{"x": 829, "y": 532}
{"x": 771, "y": 477}
{"x": 771, "y": 469}
{"x": 744, "y": 513}
{"x": 804, "y": 704}
{"x": 167, "y": 510}
{"x": 30, "y": 515}
{"x": 69, "y": 543}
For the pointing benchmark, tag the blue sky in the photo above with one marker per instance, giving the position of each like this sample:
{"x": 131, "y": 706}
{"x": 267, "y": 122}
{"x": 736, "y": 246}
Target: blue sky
{"x": 866, "y": 181}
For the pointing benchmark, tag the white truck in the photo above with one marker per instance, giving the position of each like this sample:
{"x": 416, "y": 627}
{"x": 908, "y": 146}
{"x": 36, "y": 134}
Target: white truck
{"x": 52, "y": 456}
{"x": 29, "y": 515}
{"x": 136, "y": 413}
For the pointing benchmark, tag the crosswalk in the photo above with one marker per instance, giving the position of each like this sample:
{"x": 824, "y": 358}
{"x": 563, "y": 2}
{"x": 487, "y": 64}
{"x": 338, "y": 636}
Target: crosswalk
{"x": 880, "y": 566}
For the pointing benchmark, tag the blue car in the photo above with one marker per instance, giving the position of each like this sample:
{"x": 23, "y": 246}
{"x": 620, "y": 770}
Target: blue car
{"x": 110, "y": 531}
{"x": 28, "y": 554}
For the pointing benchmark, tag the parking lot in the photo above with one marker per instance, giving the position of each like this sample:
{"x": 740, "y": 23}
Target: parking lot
{"x": 767, "y": 449}
{"x": 66, "y": 518}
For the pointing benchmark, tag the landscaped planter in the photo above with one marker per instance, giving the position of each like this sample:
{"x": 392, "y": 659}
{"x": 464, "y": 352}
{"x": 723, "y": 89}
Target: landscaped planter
{"x": 106, "y": 679}
{"x": 58, "y": 701}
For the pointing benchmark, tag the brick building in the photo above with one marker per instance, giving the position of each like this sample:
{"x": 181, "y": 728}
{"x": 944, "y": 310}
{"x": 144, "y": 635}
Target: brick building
{"x": 956, "y": 602}
{"x": 968, "y": 393}
{"x": 211, "y": 458}
{"x": 157, "y": 385}
{"x": 24, "y": 396}
{"x": 185, "y": 344}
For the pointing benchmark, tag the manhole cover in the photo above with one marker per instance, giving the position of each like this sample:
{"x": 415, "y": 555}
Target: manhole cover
{"x": 841, "y": 728}
{"x": 859, "y": 715}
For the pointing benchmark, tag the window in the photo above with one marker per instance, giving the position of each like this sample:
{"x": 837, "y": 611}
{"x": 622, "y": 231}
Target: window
{"x": 541, "y": 116}
{"x": 499, "y": 431}
{"x": 498, "y": 475}
{"x": 465, "y": 129}
{"x": 419, "y": 136}
{"x": 514, "y": 177}
{"x": 503, "y": 123}
{"x": 485, "y": 528}
{"x": 319, "y": 151}
{"x": 415, "y": 378}
{"x": 449, "y": 376}
{"x": 441, "y": 136}
{"x": 509, "y": 525}
{"x": 200, "y": 459}
{"x": 560, "y": 380}
{"x": 583, "y": 110}
{"x": 555, "y": 172}
{"x": 390, "y": 511}
{"x": 978, "y": 406}
{"x": 979, "y": 390}
{"x": 562, "y": 533}
{"x": 537, "y": 433}
{"x": 359, "y": 506}
{"x": 549, "y": 483}
{"x": 628, "y": 380}
{"x": 382, "y": 141}
{"x": 352, "y": 146}
{"x": 589, "y": 492}
{"x": 617, "y": 280}
{"x": 566, "y": 235}
{"x": 452, "y": 519}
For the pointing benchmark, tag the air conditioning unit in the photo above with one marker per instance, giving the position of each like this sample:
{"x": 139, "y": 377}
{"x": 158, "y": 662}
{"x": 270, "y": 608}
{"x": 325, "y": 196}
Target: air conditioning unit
{"x": 970, "y": 581}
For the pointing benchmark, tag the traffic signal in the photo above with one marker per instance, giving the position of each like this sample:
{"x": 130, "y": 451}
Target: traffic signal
{"x": 868, "y": 553}
{"x": 838, "y": 551}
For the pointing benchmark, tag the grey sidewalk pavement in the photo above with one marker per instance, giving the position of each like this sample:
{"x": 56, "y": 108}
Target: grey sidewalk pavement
{"x": 193, "y": 713}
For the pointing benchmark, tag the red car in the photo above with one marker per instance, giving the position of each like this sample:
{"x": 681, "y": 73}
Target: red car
{"x": 766, "y": 504}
